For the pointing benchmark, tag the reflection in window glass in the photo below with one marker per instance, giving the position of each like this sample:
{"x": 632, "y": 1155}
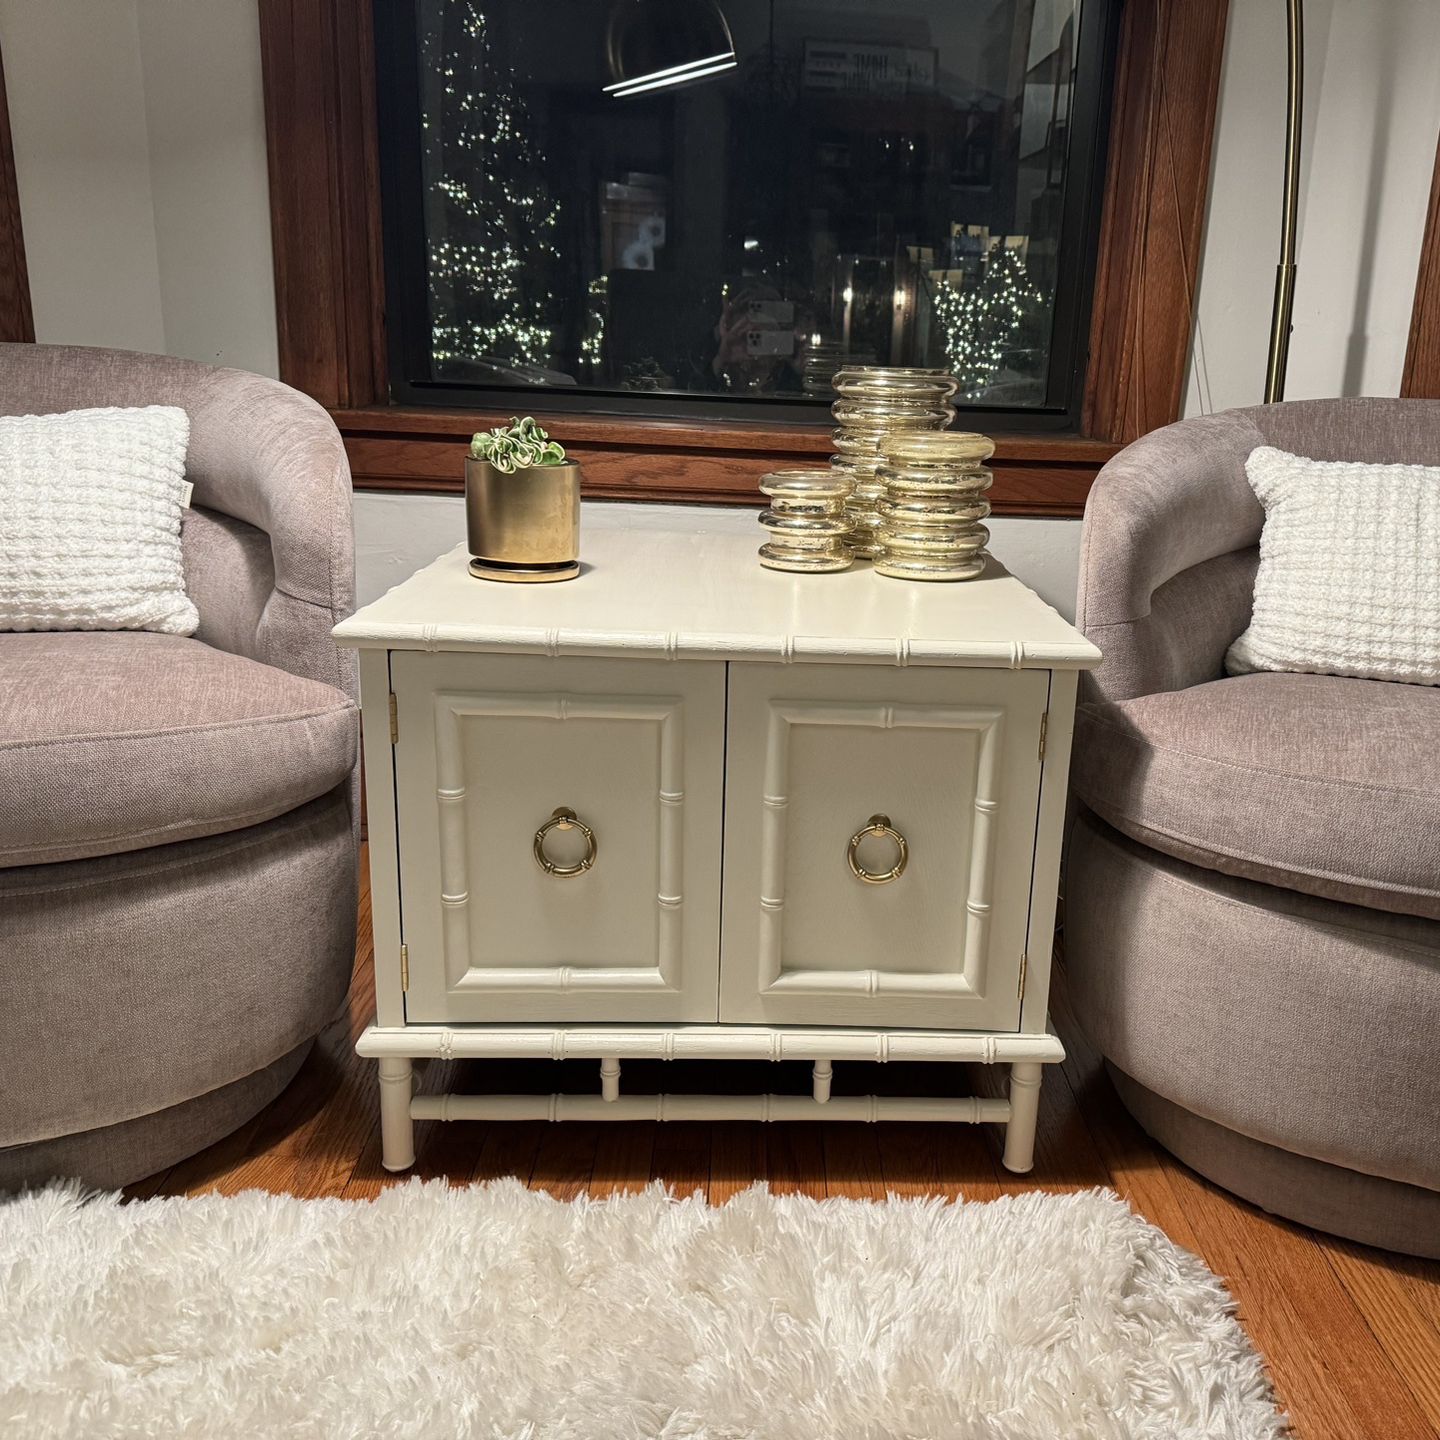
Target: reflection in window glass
{"x": 730, "y": 197}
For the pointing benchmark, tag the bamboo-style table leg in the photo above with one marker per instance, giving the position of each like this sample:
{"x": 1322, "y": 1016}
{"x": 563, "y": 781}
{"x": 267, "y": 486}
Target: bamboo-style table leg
{"x": 397, "y": 1129}
{"x": 1024, "y": 1111}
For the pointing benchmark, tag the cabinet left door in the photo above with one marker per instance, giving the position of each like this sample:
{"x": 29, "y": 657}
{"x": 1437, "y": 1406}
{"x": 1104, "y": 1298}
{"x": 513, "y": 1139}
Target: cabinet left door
{"x": 613, "y": 912}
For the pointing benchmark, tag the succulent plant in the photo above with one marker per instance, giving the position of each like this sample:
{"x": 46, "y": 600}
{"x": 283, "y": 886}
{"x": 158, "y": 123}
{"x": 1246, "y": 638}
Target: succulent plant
{"x": 517, "y": 446}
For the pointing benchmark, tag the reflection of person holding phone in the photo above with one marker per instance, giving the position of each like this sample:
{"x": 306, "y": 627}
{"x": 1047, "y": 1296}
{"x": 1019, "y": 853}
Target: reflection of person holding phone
{"x": 759, "y": 335}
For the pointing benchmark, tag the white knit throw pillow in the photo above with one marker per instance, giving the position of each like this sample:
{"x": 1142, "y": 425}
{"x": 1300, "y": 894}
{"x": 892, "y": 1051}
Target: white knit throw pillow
{"x": 1349, "y": 580}
{"x": 90, "y": 508}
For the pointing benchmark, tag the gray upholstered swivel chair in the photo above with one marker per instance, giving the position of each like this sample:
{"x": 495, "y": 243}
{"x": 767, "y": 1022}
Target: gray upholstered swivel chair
{"x": 178, "y": 826}
{"x": 1253, "y": 884}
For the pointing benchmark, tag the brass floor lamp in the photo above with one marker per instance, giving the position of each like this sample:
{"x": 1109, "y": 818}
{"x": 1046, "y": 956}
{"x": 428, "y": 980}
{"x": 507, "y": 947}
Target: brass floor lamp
{"x": 1285, "y": 272}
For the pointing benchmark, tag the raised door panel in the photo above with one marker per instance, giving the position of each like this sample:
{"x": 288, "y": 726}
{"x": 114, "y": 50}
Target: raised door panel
{"x": 489, "y": 748}
{"x": 951, "y": 760}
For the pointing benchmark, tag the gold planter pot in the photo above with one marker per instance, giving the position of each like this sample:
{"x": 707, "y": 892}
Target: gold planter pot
{"x": 525, "y": 526}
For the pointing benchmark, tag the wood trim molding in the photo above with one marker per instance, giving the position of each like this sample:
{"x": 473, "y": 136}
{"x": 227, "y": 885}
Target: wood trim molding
{"x": 17, "y": 322}
{"x": 1421, "y": 376}
{"x": 397, "y": 449}
{"x": 1161, "y": 132}
{"x": 318, "y": 66}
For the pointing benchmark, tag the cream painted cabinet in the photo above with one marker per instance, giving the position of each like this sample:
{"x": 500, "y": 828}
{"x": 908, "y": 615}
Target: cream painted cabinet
{"x": 819, "y": 929}
{"x": 687, "y": 808}
{"x": 625, "y": 922}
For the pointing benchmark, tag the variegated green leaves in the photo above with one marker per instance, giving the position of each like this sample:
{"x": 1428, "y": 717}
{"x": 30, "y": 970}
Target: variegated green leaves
{"x": 523, "y": 444}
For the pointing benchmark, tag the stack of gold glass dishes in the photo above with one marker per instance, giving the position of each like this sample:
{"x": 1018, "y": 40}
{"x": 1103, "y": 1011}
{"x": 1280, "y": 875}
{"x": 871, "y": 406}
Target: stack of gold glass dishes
{"x": 873, "y": 401}
{"x": 806, "y": 521}
{"x": 932, "y": 506}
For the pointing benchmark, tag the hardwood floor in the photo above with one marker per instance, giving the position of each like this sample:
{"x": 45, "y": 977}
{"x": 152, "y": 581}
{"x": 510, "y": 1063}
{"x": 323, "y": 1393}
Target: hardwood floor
{"x": 1351, "y": 1335}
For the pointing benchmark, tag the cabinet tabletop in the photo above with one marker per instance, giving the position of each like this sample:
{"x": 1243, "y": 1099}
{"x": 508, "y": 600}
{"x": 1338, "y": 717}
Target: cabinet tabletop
{"x": 691, "y": 587}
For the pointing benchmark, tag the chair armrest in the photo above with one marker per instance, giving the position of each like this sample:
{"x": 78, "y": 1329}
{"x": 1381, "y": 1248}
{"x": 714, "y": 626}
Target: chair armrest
{"x": 259, "y": 453}
{"x": 268, "y": 456}
{"x": 1168, "y": 556}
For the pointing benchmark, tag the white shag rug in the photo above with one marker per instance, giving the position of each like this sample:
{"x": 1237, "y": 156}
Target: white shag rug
{"x": 496, "y": 1311}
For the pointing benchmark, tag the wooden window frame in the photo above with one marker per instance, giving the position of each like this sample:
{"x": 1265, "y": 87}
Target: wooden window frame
{"x": 1421, "y": 376}
{"x": 16, "y": 320}
{"x": 318, "y": 65}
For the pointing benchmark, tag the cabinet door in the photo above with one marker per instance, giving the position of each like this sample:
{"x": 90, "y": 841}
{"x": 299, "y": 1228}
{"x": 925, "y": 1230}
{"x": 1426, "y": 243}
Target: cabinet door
{"x": 489, "y": 747}
{"x": 952, "y": 759}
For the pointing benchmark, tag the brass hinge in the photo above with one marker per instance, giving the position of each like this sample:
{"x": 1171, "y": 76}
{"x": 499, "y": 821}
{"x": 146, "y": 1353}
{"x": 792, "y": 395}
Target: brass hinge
{"x": 1024, "y": 966}
{"x": 405, "y": 967}
{"x": 394, "y": 720}
{"x": 1044, "y": 726}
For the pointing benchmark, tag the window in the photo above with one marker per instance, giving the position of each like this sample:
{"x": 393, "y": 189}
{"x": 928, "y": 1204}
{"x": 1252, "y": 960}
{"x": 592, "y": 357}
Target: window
{"x": 705, "y": 206}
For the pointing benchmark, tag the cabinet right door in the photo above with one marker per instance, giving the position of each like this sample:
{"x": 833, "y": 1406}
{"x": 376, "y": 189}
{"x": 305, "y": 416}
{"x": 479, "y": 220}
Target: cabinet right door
{"x": 879, "y": 844}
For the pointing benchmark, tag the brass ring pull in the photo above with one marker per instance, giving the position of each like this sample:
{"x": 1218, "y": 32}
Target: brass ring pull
{"x": 564, "y": 818}
{"x": 878, "y": 825}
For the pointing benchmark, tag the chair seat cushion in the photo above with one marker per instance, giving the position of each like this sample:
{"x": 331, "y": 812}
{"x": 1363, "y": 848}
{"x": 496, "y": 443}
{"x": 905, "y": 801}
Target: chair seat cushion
{"x": 1311, "y": 782}
{"x": 119, "y": 741}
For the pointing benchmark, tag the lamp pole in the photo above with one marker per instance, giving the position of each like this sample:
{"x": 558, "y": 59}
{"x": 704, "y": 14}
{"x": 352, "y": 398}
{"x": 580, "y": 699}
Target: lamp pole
{"x": 1285, "y": 271}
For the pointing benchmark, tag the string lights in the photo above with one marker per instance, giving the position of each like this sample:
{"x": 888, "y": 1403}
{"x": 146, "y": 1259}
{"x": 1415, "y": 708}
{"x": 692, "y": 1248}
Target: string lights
{"x": 979, "y": 324}
{"x": 493, "y": 244}
{"x": 592, "y": 344}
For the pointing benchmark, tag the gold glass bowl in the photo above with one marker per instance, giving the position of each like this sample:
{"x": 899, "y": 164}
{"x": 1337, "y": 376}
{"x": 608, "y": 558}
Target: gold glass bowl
{"x": 806, "y": 521}
{"x": 932, "y": 504}
{"x": 871, "y": 403}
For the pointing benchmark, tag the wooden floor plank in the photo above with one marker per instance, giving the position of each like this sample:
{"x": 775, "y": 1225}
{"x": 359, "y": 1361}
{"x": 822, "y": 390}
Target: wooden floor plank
{"x": 1420, "y": 1279}
{"x": 737, "y": 1158}
{"x": 1389, "y": 1297}
{"x": 1066, "y": 1158}
{"x": 681, "y": 1158}
{"x": 508, "y": 1151}
{"x": 909, "y": 1158}
{"x": 565, "y": 1160}
{"x": 795, "y": 1158}
{"x": 852, "y": 1161}
{"x": 623, "y": 1156}
{"x": 369, "y": 1177}
{"x": 965, "y": 1163}
{"x": 1329, "y": 1368}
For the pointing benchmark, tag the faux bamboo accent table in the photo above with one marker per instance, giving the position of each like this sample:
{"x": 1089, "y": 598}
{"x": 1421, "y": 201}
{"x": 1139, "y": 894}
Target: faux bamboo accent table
{"x": 688, "y": 807}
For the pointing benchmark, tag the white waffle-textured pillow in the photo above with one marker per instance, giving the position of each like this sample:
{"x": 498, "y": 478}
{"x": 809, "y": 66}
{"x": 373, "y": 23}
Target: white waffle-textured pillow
{"x": 1349, "y": 580}
{"x": 90, "y": 509}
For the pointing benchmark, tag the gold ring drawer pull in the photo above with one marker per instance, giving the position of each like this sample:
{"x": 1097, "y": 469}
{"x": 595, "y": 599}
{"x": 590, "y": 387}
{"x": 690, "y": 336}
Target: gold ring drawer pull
{"x": 564, "y": 818}
{"x": 878, "y": 825}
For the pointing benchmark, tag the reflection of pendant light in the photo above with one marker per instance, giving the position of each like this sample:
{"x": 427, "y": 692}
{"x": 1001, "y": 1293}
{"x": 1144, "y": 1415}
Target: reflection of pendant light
{"x": 659, "y": 44}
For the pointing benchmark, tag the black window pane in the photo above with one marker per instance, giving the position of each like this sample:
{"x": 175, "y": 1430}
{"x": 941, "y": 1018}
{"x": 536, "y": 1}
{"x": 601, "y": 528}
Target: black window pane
{"x": 730, "y": 197}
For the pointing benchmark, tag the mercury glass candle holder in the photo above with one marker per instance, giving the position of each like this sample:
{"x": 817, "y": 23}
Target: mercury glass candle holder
{"x": 806, "y": 520}
{"x": 871, "y": 403}
{"x": 933, "y": 502}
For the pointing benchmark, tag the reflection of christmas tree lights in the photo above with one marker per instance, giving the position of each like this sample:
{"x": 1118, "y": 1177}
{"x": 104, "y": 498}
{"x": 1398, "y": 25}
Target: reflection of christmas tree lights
{"x": 490, "y": 253}
{"x": 592, "y": 346}
{"x": 978, "y": 324}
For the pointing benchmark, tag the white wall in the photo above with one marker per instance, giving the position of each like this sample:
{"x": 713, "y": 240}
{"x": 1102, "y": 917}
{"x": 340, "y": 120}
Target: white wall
{"x": 1372, "y": 114}
{"x": 140, "y": 154}
{"x": 140, "y": 159}
{"x": 82, "y": 166}
{"x": 204, "y": 114}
